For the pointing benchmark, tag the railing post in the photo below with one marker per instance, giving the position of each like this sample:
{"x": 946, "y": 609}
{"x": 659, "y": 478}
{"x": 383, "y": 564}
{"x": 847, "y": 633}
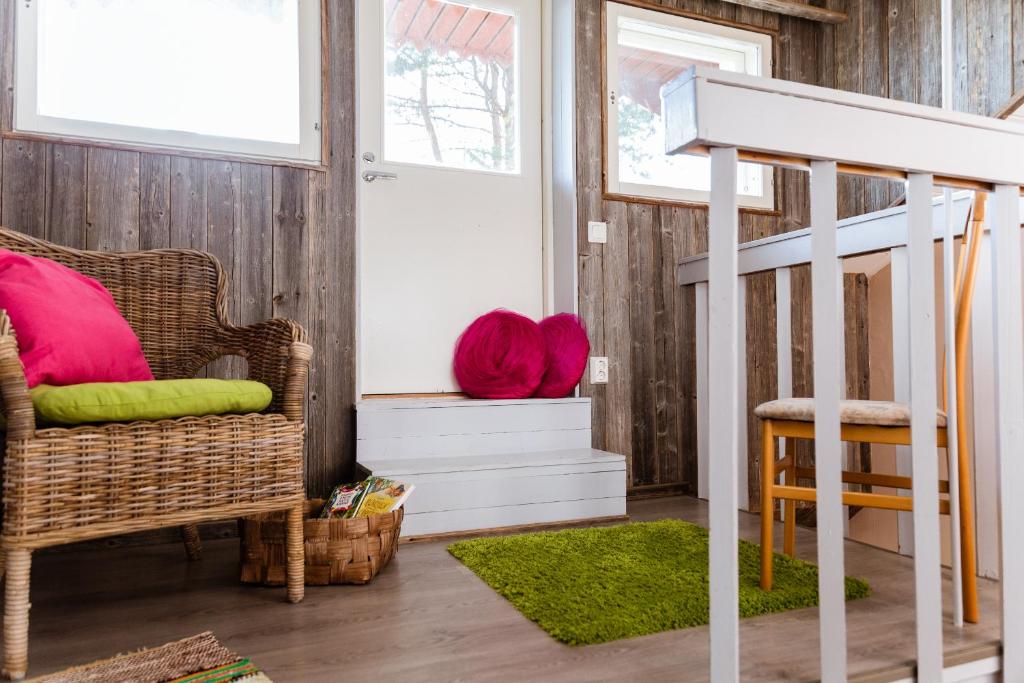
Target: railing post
{"x": 952, "y": 426}
{"x": 901, "y": 379}
{"x": 784, "y": 345}
{"x": 923, "y": 436}
{"x": 701, "y": 350}
{"x": 983, "y": 412}
{"x": 829, "y": 376}
{"x": 743, "y": 445}
{"x": 723, "y": 432}
{"x": 1006, "y": 282}
{"x": 700, "y": 295}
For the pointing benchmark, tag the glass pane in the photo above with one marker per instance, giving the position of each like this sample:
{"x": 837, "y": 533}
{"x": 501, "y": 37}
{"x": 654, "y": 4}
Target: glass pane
{"x": 172, "y": 66}
{"x": 650, "y": 56}
{"x": 450, "y": 89}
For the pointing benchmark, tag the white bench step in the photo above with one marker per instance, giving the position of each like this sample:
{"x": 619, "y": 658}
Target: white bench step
{"x": 389, "y": 429}
{"x": 463, "y": 493}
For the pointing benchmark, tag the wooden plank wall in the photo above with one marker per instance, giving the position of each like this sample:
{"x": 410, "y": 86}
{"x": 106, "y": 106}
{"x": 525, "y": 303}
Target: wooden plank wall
{"x": 285, "y": 235}
{"x": 635, "y": 313}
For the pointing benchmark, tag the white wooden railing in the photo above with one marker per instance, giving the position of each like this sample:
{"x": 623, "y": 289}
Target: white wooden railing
{"x": 825, "y": 132}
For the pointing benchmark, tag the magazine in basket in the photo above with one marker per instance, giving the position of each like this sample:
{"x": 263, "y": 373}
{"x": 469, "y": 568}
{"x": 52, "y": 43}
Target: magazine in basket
{"x": 372, "y": 496}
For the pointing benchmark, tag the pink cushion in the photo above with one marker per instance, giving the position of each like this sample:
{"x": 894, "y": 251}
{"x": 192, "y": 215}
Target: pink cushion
{"x": 500, "y": 355}
{"x": 565, "y": 339}
{"x": 68, "y": 327}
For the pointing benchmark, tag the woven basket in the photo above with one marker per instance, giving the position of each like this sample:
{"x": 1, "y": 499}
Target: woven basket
{"x": 337, "y": 550}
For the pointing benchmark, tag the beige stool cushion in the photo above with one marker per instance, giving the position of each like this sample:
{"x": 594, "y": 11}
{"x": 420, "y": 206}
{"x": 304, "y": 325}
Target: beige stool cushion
{"x": 875, "y": 413}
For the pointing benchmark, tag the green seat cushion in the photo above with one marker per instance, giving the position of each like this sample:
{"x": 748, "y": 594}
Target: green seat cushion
{"x": 154, "y": 400}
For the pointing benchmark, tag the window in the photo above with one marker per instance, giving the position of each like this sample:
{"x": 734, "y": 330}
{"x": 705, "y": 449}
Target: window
{"x": 646, "y": 50}
{"x": 234, "y": 76}
{"x": 451, "y": 86}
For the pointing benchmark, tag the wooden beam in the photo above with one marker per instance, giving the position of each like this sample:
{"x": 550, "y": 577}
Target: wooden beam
{"x": 795, "y": 9}
{"x": 862, "y": 478}
{"x": 710, "y": 107}
{"x": 1015, "y": 105}
{"x": 1016, "y": 102}
{"x": 880, "y": 501}
{"x": 804, "y": 164}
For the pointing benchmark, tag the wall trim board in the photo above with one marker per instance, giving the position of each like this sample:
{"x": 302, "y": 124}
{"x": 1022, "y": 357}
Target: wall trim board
{"x": 560, "y": 189}
{"x": 158, "y": 149}
{"x": 690, "y": 14}
{"x": 697, "y": 206}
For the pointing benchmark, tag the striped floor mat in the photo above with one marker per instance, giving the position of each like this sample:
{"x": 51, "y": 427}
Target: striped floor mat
{"x": 198, "y": 659}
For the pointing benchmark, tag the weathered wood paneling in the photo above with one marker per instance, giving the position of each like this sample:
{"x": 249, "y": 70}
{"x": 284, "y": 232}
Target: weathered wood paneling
{"x": 223, "y": 240}
{"x": 336, "y": 343}
{"x": 257, "y": 250}
{"x": 188, "y": 203}
{"x": 154, "y": 201}
{"x": 66, "y": 195}
{"x": 589, "y": 186}
{"x": 21, "y": 201}
{"x": 891, "y": 48}
{"x": 285, "y": 236}
{"x": 112, "y": 200}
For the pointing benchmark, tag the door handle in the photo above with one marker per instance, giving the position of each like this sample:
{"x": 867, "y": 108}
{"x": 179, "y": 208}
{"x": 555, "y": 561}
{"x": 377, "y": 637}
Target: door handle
{"x": 370, "y": 176}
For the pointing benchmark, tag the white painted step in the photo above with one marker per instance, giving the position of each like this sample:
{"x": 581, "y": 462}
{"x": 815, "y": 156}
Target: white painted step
{"x": 464, "y": 493}
{"x": 390, "y": 429}
{"x": 431, "y": 523}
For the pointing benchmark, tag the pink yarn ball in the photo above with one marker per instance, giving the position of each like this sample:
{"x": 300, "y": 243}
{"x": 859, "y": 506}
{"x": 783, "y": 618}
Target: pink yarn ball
{"x": 500, "y": 355}
{"x": 565, "y": 338}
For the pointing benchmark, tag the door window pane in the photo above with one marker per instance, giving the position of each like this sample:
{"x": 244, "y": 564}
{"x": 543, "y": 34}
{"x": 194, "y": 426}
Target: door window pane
{"x": 451, "y": 86}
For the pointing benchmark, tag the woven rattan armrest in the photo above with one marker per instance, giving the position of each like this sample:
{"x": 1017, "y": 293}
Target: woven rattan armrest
{"x": 16, "y": 402}
{"x": 277, "y": 355}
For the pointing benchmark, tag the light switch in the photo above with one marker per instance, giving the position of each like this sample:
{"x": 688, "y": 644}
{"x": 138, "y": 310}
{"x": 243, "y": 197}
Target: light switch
{"x": 597, "y": 232}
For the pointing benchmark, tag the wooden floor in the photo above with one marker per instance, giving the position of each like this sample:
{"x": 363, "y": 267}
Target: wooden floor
{"x": 427, "y": 618}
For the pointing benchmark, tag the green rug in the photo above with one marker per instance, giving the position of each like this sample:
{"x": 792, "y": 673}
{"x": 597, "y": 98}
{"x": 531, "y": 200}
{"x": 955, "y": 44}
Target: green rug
{"x": 586, "y": 586}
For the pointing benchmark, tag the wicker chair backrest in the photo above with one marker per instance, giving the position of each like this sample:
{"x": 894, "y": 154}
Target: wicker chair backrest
{"x": 173, "y": 299}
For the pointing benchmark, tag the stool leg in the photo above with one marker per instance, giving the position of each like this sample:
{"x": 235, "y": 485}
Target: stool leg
{"x": 16, "y": 605}
{"x": 789, "y": 532}
{"x": 296, "y": 557}
{"x": 767, "y": 502}
{"x": 193, "y": 546}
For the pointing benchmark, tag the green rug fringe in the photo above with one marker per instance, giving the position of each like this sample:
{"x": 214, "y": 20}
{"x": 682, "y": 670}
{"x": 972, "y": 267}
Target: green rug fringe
{"x": 594, "y": 585}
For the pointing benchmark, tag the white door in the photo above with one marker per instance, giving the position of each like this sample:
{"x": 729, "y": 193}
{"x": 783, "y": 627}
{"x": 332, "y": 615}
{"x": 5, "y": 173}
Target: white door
{"x": 450, "y": 180}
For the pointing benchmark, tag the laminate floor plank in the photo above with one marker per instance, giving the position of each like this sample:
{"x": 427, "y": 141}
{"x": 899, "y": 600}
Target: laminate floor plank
{"x": 428, "y": 618}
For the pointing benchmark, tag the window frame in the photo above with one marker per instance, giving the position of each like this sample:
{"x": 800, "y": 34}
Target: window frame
{"x": 28, "y": 123}
{"x": 657, "y": 194}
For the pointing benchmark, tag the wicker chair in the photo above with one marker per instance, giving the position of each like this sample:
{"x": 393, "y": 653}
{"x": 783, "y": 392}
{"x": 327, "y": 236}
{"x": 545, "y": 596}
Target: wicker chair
{"x": 71, "y": 484}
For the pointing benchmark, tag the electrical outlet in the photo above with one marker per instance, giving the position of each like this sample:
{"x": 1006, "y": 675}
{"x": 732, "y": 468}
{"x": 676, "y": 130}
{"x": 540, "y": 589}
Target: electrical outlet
{"x": 597, "y": 232}
{"x": 599, "y": 370}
